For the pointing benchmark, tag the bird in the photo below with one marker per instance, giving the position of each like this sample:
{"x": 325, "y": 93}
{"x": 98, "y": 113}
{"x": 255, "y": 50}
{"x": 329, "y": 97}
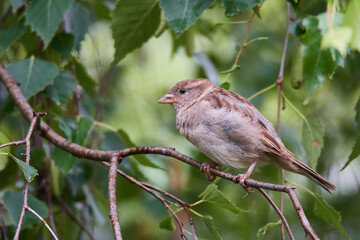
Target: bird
{"x": 231, "y": 131}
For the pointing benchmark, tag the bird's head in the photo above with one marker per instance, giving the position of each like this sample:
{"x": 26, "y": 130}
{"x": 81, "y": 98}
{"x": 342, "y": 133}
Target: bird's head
{"x": 186, "y": 93}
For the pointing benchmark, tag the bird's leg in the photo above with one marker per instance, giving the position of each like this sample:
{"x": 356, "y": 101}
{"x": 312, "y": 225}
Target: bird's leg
{"x": 240, "y": 178}
{"x": 205, "y": 168}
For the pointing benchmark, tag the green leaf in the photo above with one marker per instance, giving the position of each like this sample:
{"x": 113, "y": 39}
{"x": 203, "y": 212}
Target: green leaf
{"x": 29, "y": 172}
{"x": 263, "y": 230}
{"x": 84, "y": 79}
{"x": 67, "y": 125}
{"x": 125, "y": 139}
{"x": 338, "y": 38}
{"x": 62, "y": 89}
{"x": 318, "y": 63}
{"x": 324, "y": 211}
{"x": 16, "y": 4}
{"x": 77, "y": 21}
{"x": 9, "y": 35}
{"x": 354, "y": 153}
{"x": 225, "y": 85}
{"x": 94, "y": 207}
{"x": 313, "y": 139}
{"x": 63, "y": 43}
{"x": 44, "y": 17}
{"x": 213, "y": 195}
{"x": 82, "y": 130}
{"x": 133, "y": 23}
{"x": 208, "y": 220}
{"x": 13, "y": 202}
{"x": 351, "y": 20}
{"x": 234, "y": 6}
{"x": 33, "y": 75}
{"x": 181, "y": 14}
{"x": 168, "y": 223}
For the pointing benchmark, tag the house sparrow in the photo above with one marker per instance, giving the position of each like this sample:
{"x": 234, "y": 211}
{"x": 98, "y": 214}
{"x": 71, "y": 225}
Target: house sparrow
{"x": 230, "y": 130}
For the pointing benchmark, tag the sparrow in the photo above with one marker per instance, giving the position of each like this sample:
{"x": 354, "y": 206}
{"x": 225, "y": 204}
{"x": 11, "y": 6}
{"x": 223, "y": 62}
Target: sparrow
{"x": 231, "y": 131}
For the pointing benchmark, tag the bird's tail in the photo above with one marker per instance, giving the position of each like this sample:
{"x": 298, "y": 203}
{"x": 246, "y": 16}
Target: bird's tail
{"x": 301, "y": 168}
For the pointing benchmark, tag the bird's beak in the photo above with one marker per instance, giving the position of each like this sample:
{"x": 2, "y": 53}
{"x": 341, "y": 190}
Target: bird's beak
{"x": 168, "y": 99}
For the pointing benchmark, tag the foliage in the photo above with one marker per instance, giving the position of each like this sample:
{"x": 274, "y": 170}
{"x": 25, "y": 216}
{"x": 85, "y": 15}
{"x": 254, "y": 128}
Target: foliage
{"x": 98, "y": 67}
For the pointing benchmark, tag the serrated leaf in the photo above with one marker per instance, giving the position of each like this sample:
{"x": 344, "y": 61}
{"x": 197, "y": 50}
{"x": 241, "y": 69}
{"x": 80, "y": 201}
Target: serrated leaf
{"x": 263, "y": 230}
{"x": 63, "y": 43}
{"x": 313, "y": 139}
{"x": 213, "y": 195}
{"x": 10, "y": 34}
{"x": 125, "y": 139}
{"x": 208, "y": 220}
{"x": 168, "y": 223}
{"x": 82, "y": 130}
{"x": 318, "y": 63}
{"x": 33, "y": 75}
{"x": 181, "y": 14}
{"x": 44, "y": 17}
{"x": 29, "y": 172}
{"x": 133, "y": 23}
{"x": 354, "y": 153}
{"x": 62, "y": 89}
{"x": 77, "y": 21}
{"x": 16, "y": 4}
{"x": 351, "y": 20}
{"x": 225, "y": 85}
{"x": 234, "y": 6}
{"x": 326, "y": 212}
{"x": 84, "y": 79}
{"x": 13, "y": 202}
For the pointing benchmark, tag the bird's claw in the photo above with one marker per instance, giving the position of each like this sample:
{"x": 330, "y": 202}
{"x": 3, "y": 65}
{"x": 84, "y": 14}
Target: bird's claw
{"x": 240, "y": 178}
{"x": 205, "y": 168}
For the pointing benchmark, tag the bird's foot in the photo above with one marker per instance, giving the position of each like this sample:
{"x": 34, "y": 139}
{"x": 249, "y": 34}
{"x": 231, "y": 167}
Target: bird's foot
{"x": 205, "y": 168}
{"x": 240, "y": 178}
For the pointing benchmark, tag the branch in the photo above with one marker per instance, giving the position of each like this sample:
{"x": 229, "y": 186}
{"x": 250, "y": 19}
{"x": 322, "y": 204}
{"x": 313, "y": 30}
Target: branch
{"x": 279, "y": 82}
{"x": 112, "y": 197}
{"x": 97, "y": 155}
{"x": 2, "y": 222}
{"x": 165, "y": 202}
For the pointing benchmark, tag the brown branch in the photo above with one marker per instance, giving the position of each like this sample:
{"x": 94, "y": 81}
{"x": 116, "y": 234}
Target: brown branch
{"x": 112, "y": 197}
{"x": 279, "y": 82}
{"x": 97, "y": 155}
{"x": 245, "y": 39}
{"x": 42, "y": 220}
{"x": 72, "y": 215}
{"x": 277, "y": 210}
{"x": 165, "y": 202}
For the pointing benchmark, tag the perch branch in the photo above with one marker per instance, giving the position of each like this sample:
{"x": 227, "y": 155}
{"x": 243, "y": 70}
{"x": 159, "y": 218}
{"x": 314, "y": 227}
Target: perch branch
{"x": 112, "y": 196}
{"x": 97, "y": 155}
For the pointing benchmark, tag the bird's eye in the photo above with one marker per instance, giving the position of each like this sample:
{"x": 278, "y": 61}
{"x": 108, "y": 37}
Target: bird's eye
{"x": 182, "y": 90}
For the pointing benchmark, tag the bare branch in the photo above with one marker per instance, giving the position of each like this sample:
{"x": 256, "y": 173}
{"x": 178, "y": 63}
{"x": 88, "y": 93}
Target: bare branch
{"x": 43, "y": 221}
{"x": 112, "y": 196}
{"x": 277, "y": 210}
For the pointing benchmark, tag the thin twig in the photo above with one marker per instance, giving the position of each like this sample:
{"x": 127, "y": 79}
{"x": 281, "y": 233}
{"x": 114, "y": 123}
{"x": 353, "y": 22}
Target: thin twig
{"x": 43, "y": 221}
{"x": 112, "y": 197}
{"x": 165, "y": 202}
{"x": 281, "y": 215}
{"x": 279, "y": 83}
